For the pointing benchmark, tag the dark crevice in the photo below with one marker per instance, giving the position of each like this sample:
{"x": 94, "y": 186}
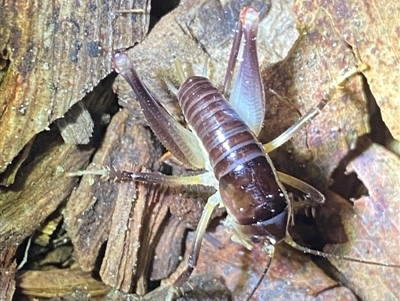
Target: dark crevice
{"x": 348, "y": 185}
{"x": 159, "y": 8}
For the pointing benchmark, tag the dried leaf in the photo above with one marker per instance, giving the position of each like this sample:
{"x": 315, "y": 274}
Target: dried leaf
{"x": 297, "y": 85}
{"x": 373, "y": 227}
{"x": 292, "y": 275}
{"x": 370, "y": 29}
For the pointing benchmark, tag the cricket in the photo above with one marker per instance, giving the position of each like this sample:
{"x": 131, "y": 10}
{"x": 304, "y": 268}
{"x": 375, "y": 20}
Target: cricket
{"x": 221, "y": 139}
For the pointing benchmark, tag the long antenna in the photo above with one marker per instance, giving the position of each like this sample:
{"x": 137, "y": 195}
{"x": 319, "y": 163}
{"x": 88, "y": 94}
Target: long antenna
{"x": 295, "y": 245}
{"x": 270, "y": 249}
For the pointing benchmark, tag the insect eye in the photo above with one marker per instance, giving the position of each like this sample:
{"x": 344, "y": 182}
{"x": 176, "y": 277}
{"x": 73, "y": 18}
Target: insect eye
{"x": 255, "y": 239}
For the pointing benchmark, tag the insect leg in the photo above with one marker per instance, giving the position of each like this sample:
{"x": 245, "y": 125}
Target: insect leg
{"x": 312, "y": 196}
{"x": 309, "y": 191}
{"x": 295, "y": 128}
{"x": 247, "y": 95}
{"x": 232, "y": 59}
{"x": 213, "y": 201}
{"x": 295, "y": 245}
{"x": 177, "y": 139}
{"x": 206, "y": 179}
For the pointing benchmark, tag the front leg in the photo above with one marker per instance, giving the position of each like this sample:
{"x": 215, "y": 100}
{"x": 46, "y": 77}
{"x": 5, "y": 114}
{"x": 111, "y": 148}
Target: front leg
{"x": 213, "y": 201}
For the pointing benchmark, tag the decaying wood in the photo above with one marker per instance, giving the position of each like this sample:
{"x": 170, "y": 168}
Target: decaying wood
{"x": 167, "y": 252}
{"x": 77, "y": 125}
{"x": 52, "y": 54}
{"x": 122, "y": 213}
{"x": 50, "y": 283}
{"x": 41, "y": 184}
{"x": 134, "y": 232}
{"x": 7, "y": 273}
{"x": 39, "y": 188}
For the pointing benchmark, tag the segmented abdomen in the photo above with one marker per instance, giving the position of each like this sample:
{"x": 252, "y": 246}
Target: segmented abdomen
{"x": 225, "y": 136}
{"x": 247, "y": 182}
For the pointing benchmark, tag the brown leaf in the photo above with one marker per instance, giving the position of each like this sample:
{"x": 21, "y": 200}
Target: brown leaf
{"x": 298, "y": 84}
{"x": 373, "y": 227}
{"x": 369, "y": 28}
{"x": 292, "y": 275}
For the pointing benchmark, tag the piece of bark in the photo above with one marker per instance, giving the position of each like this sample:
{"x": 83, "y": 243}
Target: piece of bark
{"x": 135, "y": 224}
{"x": 77, "y": 125}
{"x": 168, "y": 250}
{"x": 40, "y": 187}
{"x": 7, "y": 273}
{"x": 52, "y": 54}
{"x": 95, "y": 211}
{"x": 41, "y": 184}
{"x": 7, "y": 178}
{"x": 58, "y": 282}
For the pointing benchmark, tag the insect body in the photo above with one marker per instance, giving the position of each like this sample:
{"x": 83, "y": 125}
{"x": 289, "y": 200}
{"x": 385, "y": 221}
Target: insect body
{"x": 223, "y": 142}
{"x": 248, "y": 185}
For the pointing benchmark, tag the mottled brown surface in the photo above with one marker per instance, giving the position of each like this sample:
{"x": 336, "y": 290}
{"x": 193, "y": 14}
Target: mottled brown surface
{"x": 292, "y": 275}
{"x": 103, "y": 210}
{"x": 372, "y": 30}
{"x": 41, "y": 184}
{"x": 53, "y": 53}
{"x": 373, "y": 226}
{"x": 7, "y": 273}
{"x": 50, "y": 283}
{"x": 296, "y": 85}
{"x": 133, "y": 237}
{"x": 121, "y": 213}
{"x": 167, "y": 252}
{"x": 39, "y": 189}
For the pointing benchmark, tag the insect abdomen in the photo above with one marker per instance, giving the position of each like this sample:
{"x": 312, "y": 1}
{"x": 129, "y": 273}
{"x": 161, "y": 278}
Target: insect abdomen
{"x": 225, "y": 136}
{"x": 247, "y": 182}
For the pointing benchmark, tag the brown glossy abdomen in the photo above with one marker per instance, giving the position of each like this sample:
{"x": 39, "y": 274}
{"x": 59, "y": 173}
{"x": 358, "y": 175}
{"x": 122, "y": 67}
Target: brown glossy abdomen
{"x": 247, "y": 182}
